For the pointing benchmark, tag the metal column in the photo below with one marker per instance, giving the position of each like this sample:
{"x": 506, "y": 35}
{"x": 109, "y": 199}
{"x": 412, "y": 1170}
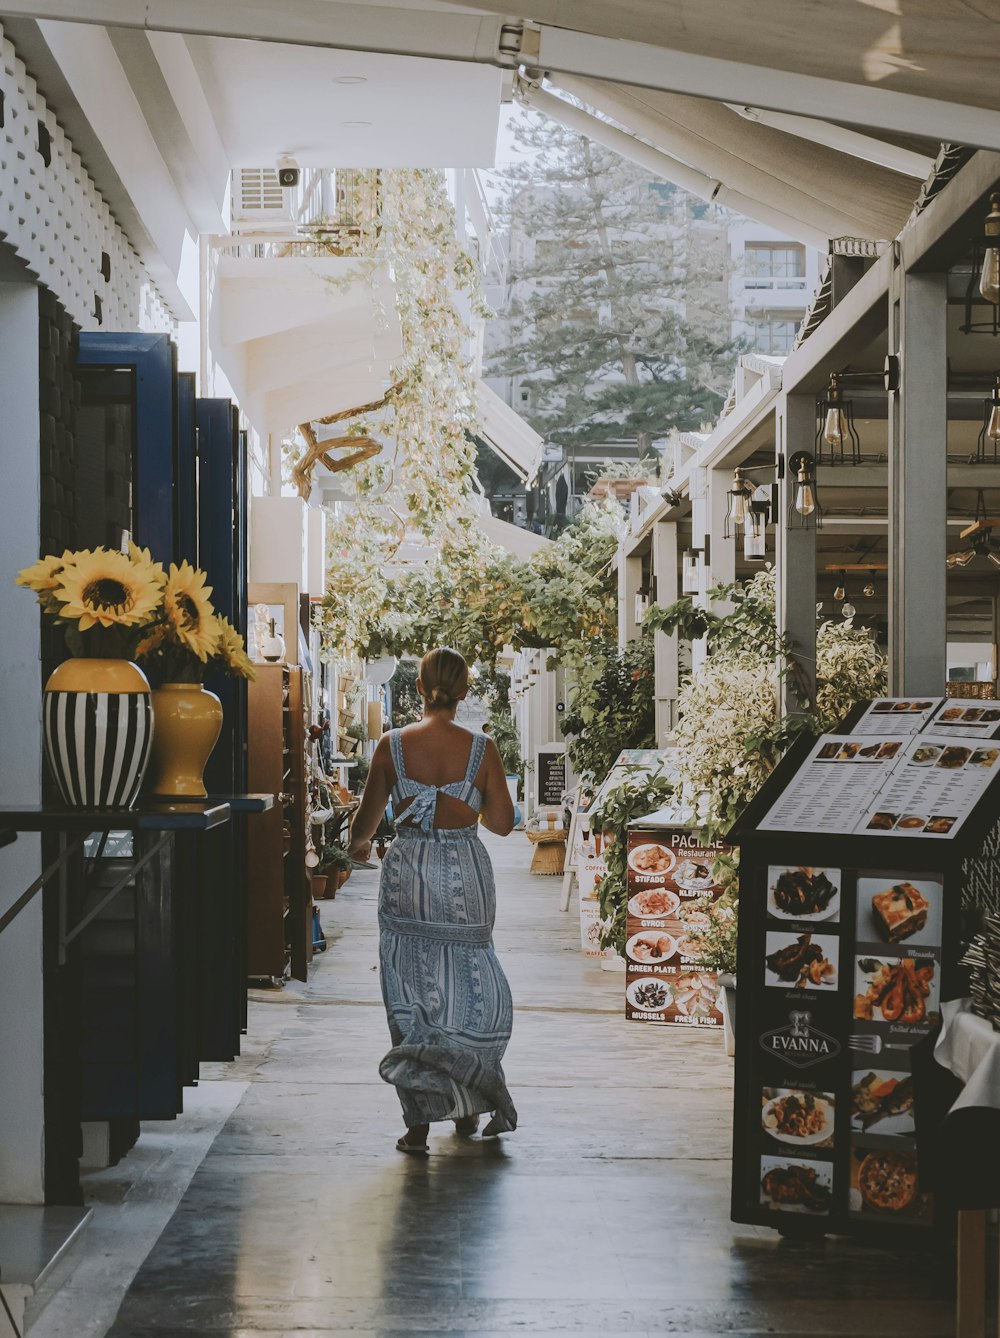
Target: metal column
{"x": 918, "y": 485}
{"x": 795, "y": 560}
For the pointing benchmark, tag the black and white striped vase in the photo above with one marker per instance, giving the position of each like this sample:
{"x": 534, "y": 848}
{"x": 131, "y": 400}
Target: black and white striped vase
{"x": 97, "y": 723}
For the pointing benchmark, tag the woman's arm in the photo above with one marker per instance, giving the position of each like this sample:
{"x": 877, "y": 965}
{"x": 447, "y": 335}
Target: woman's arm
{"x": 378, "y": 787}
{"x": 498, "y": 809}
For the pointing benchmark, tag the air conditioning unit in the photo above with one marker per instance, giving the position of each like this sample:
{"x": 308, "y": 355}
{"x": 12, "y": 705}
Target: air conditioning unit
{"x": 258, "y": 198}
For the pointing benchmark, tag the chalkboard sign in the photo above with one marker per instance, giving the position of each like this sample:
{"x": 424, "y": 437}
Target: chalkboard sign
{"x": 551, "y": 778}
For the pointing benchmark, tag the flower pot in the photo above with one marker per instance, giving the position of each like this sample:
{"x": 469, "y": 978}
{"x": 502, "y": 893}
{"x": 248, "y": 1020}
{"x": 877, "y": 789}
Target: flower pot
{"x": 188, "y": 722}
{"x": 97, "y": 724}
{"x": 318, "y": 883}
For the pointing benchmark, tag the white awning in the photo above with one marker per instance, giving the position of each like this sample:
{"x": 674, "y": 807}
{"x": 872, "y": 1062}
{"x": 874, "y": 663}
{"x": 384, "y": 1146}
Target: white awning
{"x": 519, "y": 543}
{"x": 810, "y": 190}
{"x": 506, "y": 432}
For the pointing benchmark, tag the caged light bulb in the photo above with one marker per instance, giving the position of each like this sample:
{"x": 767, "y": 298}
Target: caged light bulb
{"x": 834, "y": 428}
{"x": 989, "y": 278}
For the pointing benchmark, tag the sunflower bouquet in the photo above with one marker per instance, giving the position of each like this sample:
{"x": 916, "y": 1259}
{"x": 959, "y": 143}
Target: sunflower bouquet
{"x": 125, "y": 605}
{"x": 189, "y": 637}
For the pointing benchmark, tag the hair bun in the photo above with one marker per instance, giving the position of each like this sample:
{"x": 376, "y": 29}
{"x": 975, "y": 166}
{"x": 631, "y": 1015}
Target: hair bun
{"x": 440, "y": 697}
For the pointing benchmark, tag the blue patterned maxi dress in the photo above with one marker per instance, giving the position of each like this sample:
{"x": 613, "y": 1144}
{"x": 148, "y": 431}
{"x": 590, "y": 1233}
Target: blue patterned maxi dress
{"x": 446, "y": 997}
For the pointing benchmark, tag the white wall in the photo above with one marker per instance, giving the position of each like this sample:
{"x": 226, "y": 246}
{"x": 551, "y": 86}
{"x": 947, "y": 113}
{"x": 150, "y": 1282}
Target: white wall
{"x": 21, "y": 1110}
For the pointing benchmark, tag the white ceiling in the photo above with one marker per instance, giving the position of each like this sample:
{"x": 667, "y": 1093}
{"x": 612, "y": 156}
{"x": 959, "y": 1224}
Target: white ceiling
{"x": 271, "y": 98}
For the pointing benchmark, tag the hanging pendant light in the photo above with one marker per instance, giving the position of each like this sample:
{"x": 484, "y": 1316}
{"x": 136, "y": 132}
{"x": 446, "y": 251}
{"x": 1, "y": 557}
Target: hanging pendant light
{"x": 989, "y": 433}
{"x": 839, "y": 593}
{"x": 984, "y": 275}
{"x": 989, "y": 270}
{"x": 869, "y": 590}
{"x": 848, "y": 609}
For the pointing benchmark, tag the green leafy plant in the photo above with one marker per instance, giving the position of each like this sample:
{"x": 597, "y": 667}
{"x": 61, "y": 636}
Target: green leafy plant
{"x": 493, "y": 689}
{"x": 635, "y": 798}
{"x": 611, "y": 706}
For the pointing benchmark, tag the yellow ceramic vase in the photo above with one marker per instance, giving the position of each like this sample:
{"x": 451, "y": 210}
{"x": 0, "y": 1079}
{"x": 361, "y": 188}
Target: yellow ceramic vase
{"x": 188, "y": 720}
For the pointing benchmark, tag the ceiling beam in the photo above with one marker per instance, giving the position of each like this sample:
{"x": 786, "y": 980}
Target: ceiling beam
{"x": 449, "y": 35}
{"x": 565, "y": 51}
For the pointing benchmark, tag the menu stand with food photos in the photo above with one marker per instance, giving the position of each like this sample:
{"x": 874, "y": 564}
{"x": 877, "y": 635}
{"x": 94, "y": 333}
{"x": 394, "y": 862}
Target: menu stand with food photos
{"x": 849, "y": 940}
{"x": 671, "y": 887}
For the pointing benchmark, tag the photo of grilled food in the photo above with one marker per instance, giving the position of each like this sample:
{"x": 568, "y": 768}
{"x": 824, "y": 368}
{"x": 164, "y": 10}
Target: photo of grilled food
{"x": 896, "y": 991}
{"x": 880, "y": 1096}
{"x": 802, "y": 964}
{"x": 796, "y": 1186}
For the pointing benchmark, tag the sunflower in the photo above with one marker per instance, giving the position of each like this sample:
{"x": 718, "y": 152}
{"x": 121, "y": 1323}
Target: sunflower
{"x": 43, "y": 576}
{"x": 232, "y": 651}
{"x": 106, "y": 588}
{"x": 188, "y": 610}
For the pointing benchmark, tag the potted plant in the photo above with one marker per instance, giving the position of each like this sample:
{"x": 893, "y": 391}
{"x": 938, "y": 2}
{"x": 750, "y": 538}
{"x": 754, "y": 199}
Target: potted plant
{"x": 335, "y": 862}
{"x": 97, "y": 704}
{"x": 185, "y": 641}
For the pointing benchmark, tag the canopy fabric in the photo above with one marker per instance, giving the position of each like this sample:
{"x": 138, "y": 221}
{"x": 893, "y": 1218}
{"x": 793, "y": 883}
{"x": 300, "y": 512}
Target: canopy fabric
{"x": 941, "y": 49}
{"x": 835, "y": 193}
{"x": 519, "y": 543}
{"x": 507, "y": 434}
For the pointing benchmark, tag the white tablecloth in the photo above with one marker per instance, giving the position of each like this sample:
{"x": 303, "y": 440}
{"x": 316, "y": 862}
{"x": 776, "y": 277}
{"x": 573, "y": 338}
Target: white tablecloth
{"x": 970, "y": 1048}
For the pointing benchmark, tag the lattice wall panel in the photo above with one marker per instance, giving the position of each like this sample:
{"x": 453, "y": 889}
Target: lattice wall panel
{"x": 55, "y": 219}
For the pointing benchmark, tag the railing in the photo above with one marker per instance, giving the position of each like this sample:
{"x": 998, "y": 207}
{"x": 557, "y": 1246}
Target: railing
{"x": 334, "y": 213}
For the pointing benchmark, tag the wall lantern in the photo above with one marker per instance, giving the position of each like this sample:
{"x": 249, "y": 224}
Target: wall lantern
{"x": 641, "y": 603}
{"x": 691, "y": 564}
{"x": 738, "y": 504}
{"x": 984, "y": 276}
{"x": 837, "y": 441}
{"x": 804, "y": 511}
{"x": 755, "y": 525}
{"x": 989, "y": 433}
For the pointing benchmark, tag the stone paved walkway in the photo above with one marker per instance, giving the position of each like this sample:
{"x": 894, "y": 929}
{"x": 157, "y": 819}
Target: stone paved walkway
{"x": 605, "y": 1213}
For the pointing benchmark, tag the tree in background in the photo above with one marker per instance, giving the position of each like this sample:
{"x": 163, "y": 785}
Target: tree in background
{"x": 618, "y": 319}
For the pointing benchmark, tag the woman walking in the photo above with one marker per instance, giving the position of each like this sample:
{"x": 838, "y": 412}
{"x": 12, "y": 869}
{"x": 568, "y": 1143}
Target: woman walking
{"x": 446, "y": 997}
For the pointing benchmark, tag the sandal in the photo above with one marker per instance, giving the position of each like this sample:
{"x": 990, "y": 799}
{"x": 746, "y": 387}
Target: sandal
{"x": 467, "y": 1125}
{"x": 414, "y": 1141}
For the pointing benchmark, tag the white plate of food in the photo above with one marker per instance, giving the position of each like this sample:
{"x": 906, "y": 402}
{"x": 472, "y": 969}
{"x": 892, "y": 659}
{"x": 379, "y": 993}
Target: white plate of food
{"x": 651, "y": 946}
{"x": 649, "y": 995}
{"x": 654, "y": 903}
{"x": 693, "y": 876}
{"x": 651, "y": 859}
{"x": 798, "y": 1118}
{"x": 804, "y": 894}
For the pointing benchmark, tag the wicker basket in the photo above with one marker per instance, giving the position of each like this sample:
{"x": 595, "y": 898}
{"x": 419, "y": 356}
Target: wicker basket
{"x": 550, "y": 850}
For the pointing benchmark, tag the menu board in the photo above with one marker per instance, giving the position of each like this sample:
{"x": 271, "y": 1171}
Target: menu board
{"x": 926, "y": 785}
{"x": 591, "y": 870}
{"x": 969, "y": 719}
{"x": 937, "y": 782}
{"x": 898, "y": 715}
{"x": 630, "y": 765}
{"x": 846, "y": 980}
{"x": 836, "y": 784}
{"x": 551, "y": 777}
{"x": 671, "y": 890}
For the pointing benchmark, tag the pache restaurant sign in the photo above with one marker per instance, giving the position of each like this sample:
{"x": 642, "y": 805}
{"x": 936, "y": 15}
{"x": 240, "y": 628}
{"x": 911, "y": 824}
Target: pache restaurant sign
{"x": 670, "y": 888}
